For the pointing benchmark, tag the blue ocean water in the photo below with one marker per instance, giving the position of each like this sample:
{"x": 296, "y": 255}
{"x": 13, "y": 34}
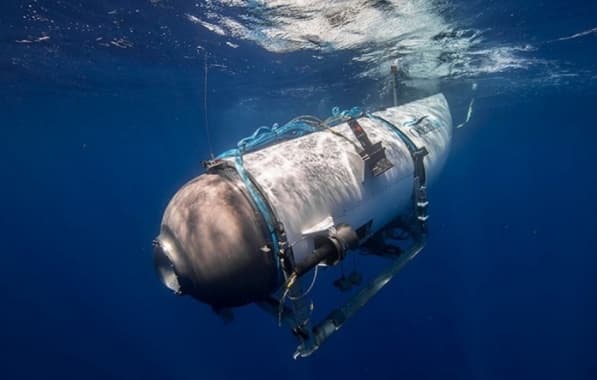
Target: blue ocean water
{"x": 103, "y": 119}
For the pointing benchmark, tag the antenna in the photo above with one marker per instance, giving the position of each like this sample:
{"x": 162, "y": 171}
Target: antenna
{"x": 205, "y": 115}
{"x": 394, "y": 71}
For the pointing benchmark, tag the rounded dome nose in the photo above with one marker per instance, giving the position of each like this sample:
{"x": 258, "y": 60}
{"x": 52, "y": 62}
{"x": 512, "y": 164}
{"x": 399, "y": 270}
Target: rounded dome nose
{"x": 210, "y": 245}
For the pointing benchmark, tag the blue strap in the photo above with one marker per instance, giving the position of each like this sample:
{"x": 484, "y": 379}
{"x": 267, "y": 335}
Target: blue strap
{"x": 261, "y": 204}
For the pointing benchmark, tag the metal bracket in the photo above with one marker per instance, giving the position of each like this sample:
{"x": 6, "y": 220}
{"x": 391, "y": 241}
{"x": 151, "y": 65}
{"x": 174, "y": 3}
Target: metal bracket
{"x": 373, "y": 155}
{"x": 213, "y": 163}
{"x": 336, "y": 319}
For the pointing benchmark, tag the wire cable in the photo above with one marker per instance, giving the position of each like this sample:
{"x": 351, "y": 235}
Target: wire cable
{"x": 205, "y": 115}
{"x": 294, "y": 298}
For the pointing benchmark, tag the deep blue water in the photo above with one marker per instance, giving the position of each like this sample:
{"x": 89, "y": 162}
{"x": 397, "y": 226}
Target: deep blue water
{"x": 97, "y": 138}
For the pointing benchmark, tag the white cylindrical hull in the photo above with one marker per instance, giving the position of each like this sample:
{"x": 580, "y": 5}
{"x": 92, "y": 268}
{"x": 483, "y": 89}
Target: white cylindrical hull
{"x": 319, "y": 180}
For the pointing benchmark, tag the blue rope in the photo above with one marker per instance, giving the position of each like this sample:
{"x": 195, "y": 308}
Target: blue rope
{"x": 266, "y": 136}
{"x": 339, "y": 117}
{"x": 301, "y": 126}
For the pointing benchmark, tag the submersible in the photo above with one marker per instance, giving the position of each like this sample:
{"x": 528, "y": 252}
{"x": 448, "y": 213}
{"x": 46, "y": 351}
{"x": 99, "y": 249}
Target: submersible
{"x": 296, "y": 197}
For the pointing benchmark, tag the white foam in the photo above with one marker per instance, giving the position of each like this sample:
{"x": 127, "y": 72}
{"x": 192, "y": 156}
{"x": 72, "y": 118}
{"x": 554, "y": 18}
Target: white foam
{"x": 576, "y": 35}
{"x": 379, "y": 32}
{"x": 211, "y": 27}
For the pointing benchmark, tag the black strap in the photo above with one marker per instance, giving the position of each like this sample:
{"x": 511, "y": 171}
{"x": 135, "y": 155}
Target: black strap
{"x": 360, "y": 134}
{"x": 419, "y": 173}
{"x": 420, "y": 188}
{"x": 374, "y": 155}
